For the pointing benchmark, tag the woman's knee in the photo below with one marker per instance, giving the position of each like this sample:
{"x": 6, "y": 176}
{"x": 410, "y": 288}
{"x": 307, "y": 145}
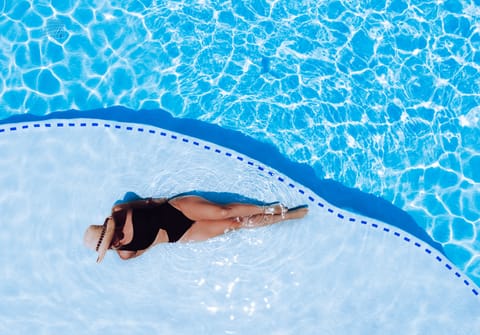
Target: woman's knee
{"x": 220, "y": 212}
{"x": 214, "y": 210}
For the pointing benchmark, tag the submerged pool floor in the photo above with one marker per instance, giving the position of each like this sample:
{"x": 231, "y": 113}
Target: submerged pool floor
{"x": 377, "y": 95}
{"x": 331, "y": 272}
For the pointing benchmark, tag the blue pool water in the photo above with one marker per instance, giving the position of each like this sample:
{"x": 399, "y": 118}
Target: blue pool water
{"x": 382, "y": 96}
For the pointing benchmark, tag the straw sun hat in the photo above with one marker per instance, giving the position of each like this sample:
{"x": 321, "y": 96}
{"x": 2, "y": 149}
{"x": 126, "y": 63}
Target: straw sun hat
{"x": 99, "y": 237}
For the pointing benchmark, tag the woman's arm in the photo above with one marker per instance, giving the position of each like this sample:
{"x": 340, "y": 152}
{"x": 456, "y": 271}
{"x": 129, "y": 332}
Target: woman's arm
{"x": 127, "y": 254}
{"x": 162, "y": 237}
{"x": 143, "y": 203}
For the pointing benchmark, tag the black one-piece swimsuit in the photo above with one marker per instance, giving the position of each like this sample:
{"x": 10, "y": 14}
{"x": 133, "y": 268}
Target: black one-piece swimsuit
{"x": 149, "y": 220}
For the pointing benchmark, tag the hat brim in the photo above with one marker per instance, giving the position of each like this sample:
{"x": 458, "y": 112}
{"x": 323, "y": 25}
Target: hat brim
{"x": 107, "y": 239}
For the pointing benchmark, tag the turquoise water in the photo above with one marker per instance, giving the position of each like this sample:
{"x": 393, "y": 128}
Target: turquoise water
{"x": 381, "y": 96}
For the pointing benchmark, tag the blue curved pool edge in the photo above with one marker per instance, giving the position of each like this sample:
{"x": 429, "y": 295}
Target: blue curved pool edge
{"x": 334, "y": 192}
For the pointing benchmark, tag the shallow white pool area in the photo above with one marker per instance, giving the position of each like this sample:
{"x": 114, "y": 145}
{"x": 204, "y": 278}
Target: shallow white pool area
{"x": 333, "y": 272}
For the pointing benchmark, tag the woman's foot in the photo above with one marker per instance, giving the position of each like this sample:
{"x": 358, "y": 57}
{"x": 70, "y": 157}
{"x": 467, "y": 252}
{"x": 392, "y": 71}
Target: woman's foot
{"x": 296, "y": 213}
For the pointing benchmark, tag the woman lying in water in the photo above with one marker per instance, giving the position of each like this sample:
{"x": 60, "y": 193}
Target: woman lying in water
{"x": 136, "y": 226}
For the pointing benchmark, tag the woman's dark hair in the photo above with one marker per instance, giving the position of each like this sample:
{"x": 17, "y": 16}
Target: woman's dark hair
{"x": 119, "y": 218}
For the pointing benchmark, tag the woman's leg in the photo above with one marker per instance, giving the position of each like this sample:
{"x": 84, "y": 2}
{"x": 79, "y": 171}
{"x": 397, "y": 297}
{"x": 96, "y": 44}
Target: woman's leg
{"x": 199, "y": 209}
{"x": 205, "y": 229}
{"x": 260, "y": 220}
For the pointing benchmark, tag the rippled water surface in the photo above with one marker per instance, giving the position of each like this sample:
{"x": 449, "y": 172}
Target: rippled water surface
{"x": 379, "y": 95}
